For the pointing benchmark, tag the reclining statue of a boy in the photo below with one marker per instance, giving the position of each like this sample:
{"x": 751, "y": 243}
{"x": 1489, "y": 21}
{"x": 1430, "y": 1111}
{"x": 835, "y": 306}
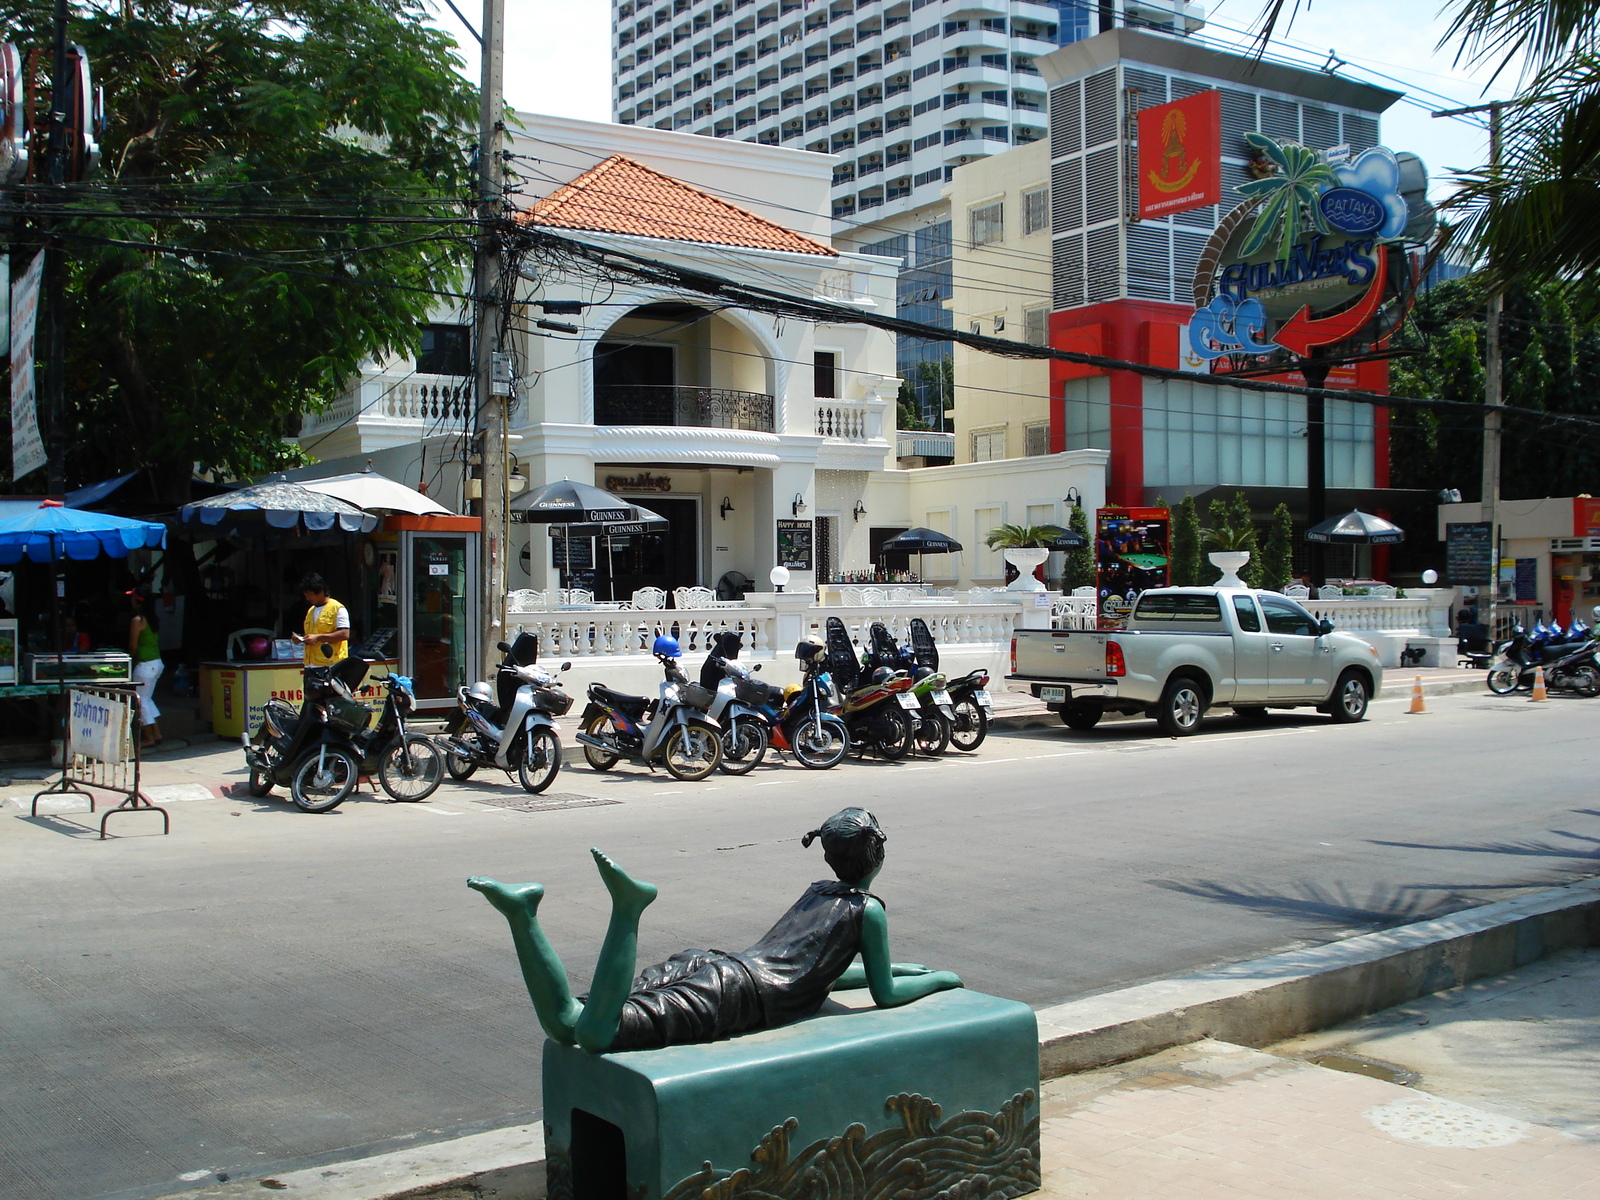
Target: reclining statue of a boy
{"x": 707, "y": 995}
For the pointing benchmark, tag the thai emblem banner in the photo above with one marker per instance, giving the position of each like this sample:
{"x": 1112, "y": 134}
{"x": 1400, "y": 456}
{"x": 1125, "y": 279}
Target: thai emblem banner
{"x": 1131, "y": 555}
{"x": 1180, "y": 155}
{"x": 27, "y": 447}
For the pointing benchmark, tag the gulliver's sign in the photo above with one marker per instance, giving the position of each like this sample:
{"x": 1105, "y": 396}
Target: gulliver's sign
{"x": 1314, "y": 256}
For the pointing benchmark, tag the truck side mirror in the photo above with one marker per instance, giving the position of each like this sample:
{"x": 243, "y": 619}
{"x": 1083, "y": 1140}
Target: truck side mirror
{"x": 1324, "y": 626}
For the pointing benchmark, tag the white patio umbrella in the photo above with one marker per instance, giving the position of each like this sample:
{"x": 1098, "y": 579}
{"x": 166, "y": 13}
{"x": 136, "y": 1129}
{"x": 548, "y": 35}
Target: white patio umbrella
{"x": 373, "y": 492}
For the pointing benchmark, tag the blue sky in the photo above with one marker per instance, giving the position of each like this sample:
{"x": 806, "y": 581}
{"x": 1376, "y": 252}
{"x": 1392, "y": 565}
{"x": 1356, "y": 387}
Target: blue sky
{"x": 558, "y": 62}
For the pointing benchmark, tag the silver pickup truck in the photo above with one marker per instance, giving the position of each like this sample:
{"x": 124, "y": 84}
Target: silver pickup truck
{"x": 1186, "y": 649}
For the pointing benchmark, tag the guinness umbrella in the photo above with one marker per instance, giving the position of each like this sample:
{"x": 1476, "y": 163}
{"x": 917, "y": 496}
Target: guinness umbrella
{"x": 1356, "y": 528}
{"x": 1063, "y": 539}
{"x": 583, "y": 510}
{"x": 920, "y": 541}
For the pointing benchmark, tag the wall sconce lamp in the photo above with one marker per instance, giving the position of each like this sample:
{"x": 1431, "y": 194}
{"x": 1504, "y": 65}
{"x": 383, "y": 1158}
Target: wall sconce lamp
{"x": 727, "y": 507}
{"x": 1074, "y": 497}
{"x": 859, "y": 511}
{"x": 799, "y": 505}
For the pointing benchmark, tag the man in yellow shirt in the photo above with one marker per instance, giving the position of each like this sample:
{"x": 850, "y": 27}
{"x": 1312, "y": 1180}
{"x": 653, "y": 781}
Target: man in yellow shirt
{"x": 327, "y": 627}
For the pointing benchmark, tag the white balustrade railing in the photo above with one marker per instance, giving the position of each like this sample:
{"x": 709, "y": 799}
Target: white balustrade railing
{"x": 591, "y": 633}
{"x": 1425, "y": 614}
{"x": 428, "y": 400}
{"x": 850, "y": 420}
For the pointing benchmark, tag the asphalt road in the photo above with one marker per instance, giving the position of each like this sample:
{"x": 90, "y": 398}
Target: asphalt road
{"x": 266, "y": 988}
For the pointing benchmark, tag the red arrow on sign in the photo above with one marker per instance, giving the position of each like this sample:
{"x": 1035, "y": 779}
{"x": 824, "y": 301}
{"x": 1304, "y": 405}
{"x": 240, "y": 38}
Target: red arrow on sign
{"x": 1300, "y": 333}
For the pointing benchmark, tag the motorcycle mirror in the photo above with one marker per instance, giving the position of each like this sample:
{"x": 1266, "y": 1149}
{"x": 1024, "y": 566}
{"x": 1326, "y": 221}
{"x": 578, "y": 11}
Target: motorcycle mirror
{"x": 503, "y": 647}
{"x": 566, "y": 666}
{"x": 755, "y": 666}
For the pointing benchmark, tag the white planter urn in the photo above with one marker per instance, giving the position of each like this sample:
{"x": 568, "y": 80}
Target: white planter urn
{"x": 1229, "y": 562}
{"x": 1025, "y": 559}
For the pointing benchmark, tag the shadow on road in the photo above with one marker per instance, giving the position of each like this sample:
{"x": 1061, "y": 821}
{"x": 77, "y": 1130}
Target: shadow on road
{"x": 1335, "y": 907}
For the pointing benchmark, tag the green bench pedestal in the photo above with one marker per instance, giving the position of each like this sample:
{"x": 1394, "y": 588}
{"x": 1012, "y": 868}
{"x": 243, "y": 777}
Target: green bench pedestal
{"x": 938, "y": 1097}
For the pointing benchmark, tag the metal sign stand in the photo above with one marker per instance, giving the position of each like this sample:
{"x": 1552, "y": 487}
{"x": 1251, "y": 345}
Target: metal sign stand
{"x": 81, "y": 770}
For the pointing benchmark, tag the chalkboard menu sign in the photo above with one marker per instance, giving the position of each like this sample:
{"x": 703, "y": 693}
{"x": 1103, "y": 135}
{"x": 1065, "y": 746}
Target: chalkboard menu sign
{"x": 573, "y": 553}
{"x": 1469, "y": 552}
{"x": 794, "y": 545}
{"x": 1527, "y": 581}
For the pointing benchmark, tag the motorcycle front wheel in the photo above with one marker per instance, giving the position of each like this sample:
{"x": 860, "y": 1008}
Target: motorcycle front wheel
{"x": 744, "y": 745}
{"x": 538, "y": 767}
{"x": 895, "y": 731}
{"x": 972, "y": 726}
{"x": 324, "y": 779}
{"x": 411, "y": 769}
{"x": 933, "y": 733}
{"x": 691, "y": 753}
{"x": 820, "y": 746}
{"x": 1503, "y": 680}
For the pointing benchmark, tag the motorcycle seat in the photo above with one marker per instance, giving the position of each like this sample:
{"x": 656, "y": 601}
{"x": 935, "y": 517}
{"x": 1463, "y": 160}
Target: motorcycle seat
{"x": 632, "y": 706}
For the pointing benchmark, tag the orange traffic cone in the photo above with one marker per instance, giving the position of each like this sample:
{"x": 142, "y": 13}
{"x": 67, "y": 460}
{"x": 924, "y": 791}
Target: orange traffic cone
{"x": 1538, "y": 685}
{"x": 1417, "y": 706}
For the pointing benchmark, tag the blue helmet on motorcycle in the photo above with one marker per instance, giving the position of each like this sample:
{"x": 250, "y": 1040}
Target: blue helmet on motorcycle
{"x": 666, "y": 647}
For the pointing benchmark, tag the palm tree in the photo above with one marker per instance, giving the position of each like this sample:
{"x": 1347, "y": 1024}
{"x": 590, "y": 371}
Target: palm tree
{"x": 1015, "y": 537}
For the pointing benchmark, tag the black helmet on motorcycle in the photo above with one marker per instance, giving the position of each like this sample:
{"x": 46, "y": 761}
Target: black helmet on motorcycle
{"x": 882, "y": 676}
{"x": 921, "y": 673}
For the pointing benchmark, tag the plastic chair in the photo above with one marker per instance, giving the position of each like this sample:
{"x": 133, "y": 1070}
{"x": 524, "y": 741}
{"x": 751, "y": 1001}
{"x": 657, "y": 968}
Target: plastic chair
{"x": 1297, "y": 591}
{"x": 650, "y": 597}
{"x": 1330, "y": 591}
{"x": 692, "y": 597}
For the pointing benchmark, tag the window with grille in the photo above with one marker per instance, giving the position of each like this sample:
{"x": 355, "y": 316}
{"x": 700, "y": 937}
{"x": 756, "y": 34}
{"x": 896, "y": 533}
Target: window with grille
{"x": 987, "y": 223}
{"x": 1035, "y": 211}
{"x": 988, "y": 444}
{"x": 1036, "y": 326}
{"x": 1036, "y": 440}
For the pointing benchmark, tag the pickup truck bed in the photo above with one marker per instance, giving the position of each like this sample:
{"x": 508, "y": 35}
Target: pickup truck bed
{"x": 1188, "y": 649}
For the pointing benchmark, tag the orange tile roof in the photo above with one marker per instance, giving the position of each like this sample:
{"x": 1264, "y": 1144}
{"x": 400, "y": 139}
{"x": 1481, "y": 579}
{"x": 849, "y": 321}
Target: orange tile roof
{"x": 624, "y": 196}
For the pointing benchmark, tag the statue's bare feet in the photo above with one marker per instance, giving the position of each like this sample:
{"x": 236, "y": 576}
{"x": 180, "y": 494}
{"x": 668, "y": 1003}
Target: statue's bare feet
{"x": 627, "y": 893}
{"x": 511, "y": 899}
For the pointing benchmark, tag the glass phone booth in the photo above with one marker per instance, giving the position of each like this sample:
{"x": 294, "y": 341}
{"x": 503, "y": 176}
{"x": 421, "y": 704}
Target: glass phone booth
{"x": 440, "y": 606}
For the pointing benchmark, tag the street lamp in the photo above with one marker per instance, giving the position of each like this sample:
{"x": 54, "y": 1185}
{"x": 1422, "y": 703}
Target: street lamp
{"x": 779, "y": 576}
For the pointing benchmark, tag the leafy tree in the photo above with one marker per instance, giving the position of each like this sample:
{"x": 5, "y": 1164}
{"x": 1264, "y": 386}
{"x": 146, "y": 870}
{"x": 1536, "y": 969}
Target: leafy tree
{"x": 1277, "y": 556}
{"x": 1078, "y": 569}
{"x": 278, "y": 202}
{"x": 1186, "y": 560}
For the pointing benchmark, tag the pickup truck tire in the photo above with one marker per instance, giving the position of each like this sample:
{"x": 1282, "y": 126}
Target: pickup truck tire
{"x": 1182, "y": 704}
{"x": 1081, "y": 716}
{"x": 1350, "y": 698}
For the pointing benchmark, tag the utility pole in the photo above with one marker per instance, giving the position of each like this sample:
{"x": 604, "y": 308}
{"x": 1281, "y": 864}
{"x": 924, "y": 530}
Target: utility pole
{"x": 1493, "y": 400}
{"x": 491, "y": 442}
{"x": 62, "y": 92}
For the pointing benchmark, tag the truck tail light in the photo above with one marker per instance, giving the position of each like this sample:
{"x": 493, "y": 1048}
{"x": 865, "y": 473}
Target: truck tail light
{"x": 1115, "y": 664}
{"x": 1013, "y": 656}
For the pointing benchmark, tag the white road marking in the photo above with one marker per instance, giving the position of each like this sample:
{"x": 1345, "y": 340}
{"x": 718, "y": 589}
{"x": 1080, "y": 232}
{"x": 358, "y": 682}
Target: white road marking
{"x": 675, "y": 792}
{"x": 442, "y": 812}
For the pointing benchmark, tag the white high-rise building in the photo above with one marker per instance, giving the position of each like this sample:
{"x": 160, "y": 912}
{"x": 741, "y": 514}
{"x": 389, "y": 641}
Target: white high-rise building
{"x": 902, "y": 91}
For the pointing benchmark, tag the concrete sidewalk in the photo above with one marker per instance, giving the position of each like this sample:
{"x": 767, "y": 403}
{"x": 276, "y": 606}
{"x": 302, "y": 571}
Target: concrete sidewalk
{"x": 1485, "y": 1092}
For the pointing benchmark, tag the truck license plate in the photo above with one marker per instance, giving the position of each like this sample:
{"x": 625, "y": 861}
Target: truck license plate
{"x": 1053, "y": 695}
{"x": 907, "y": 700}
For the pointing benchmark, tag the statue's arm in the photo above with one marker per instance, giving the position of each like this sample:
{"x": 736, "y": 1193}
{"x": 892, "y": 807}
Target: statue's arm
{"x": 889, "y": 989}
{"x": 855, "y": 975}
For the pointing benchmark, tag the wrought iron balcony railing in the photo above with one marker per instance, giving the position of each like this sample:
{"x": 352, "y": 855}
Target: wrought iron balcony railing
{"x": 715, "y": 408}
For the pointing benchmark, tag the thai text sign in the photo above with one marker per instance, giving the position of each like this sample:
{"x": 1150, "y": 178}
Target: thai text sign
{"x": 99, "y": 725}
{"x": 1180, "y": 155}
{"x": 27, "y": 447}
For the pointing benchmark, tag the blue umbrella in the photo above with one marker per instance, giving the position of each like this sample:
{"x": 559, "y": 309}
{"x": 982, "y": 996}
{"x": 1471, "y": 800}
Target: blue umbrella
{"x": 51, "y": 533}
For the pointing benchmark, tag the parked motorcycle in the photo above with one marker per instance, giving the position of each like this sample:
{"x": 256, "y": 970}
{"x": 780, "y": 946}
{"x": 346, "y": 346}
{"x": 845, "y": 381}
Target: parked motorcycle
{"x": 408, "y": 765}
{"x": 969, "y": 695}
{"x": 1569, "y": 661}
{"x": 878, "y": 706}
{"x": 512, "y": 726}
{"x": 936, "y": 710}
{"x": 745, "y": 708}
{"x": 809, "y": 725}
{"x": 310, "y": 750}
{"x": 674, "y": 730}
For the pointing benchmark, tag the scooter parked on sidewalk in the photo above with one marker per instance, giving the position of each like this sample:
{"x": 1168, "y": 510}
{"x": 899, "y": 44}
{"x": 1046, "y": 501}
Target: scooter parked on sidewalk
{"x": 745, "y": 708}
{"x": 936, "y": 711}
{"x": 310, "y": 750}
{"x": 673, "y": 730}
{"x": 969, "y": 695}
{"x": 1569, "y": 663}
{"x": 512, "y": 727}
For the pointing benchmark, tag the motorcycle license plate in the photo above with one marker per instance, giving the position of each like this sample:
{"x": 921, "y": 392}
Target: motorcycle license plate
{"x": 982, "y": 697}
{"x": 942, "y": 699}
{"x": 1053, "y": 695}
{"x": 907, "y": 700}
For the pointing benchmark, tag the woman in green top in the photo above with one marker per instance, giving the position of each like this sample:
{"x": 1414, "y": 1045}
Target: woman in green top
{"x": 145, "y": 647}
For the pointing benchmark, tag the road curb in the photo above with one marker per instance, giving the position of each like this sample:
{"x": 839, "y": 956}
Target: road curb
{"x": 1255, "y": 1003}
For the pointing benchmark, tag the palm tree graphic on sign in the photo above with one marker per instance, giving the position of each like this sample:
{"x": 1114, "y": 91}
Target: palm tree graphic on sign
{"x": 1290, "y": 195}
